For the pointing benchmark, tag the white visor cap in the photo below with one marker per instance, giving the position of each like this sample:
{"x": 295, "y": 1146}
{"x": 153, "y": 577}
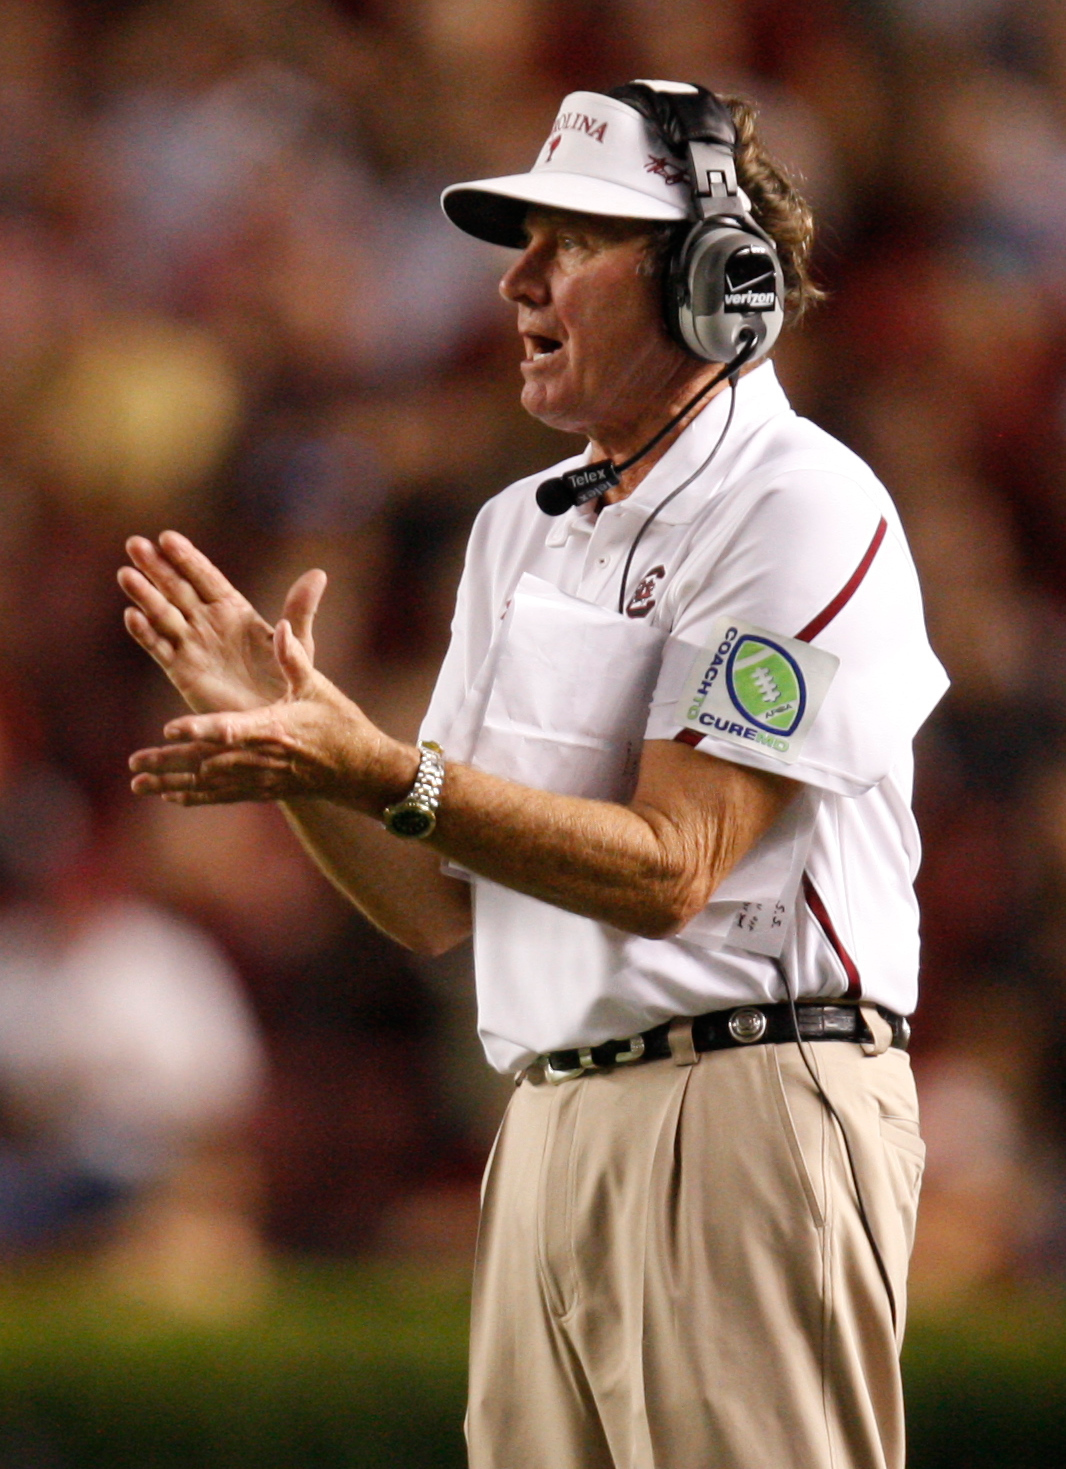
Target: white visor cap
{"x": 601, "y": 157}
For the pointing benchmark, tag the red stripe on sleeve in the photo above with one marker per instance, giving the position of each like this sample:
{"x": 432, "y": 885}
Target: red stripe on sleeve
{"x": 829, "y": 611}
{"x": 847, "y": 591}
{"x": 821, "y": 913}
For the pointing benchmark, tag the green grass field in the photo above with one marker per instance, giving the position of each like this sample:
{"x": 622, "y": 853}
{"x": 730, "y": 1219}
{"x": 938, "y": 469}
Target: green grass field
{"x": 354, "y": 1367}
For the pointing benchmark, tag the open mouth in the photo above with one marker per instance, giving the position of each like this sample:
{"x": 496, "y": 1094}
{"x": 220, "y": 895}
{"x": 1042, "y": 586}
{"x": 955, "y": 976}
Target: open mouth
{"x": 538, "y": 346}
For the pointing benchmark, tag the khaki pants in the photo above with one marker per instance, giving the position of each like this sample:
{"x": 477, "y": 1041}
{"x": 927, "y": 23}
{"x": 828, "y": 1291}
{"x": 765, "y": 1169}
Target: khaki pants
{"x": 672, "y": 1271}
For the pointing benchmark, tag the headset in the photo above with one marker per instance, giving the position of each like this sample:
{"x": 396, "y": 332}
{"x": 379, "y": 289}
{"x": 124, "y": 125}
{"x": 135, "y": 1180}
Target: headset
{"x": 724, "y": 279}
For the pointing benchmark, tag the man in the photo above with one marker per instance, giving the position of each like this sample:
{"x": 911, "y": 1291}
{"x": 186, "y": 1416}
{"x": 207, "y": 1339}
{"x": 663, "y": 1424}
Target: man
{"x": 664, "y": 827}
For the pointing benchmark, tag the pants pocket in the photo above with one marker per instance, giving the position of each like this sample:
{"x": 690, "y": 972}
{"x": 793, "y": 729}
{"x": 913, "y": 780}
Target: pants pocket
{"x": 905, "y": 1153}
{"x": 792, "y": 1136}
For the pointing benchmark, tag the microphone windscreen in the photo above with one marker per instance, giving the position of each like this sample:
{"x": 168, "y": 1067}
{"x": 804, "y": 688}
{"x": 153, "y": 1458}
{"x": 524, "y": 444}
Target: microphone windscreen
{"x": 554, "y": 496}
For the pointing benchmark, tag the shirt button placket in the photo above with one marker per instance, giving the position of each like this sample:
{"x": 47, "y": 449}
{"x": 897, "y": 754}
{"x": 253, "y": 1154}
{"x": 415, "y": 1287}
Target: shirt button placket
{"x": 603, "y": 560}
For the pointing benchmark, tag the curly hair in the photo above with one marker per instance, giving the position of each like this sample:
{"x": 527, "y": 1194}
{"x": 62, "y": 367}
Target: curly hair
{"x": 776, "y": 205}
{"x": 779, "y": 207}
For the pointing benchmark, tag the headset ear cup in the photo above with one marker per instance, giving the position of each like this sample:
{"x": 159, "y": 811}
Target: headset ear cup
{"x": 724, "y": 280}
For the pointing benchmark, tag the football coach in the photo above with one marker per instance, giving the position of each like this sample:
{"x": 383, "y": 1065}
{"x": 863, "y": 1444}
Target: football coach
{"x": 665, "y": 781}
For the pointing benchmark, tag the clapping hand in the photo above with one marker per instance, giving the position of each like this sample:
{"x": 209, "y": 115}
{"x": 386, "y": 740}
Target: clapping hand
{"x": 208, "y": 639}
{"x": 268, "y": 726}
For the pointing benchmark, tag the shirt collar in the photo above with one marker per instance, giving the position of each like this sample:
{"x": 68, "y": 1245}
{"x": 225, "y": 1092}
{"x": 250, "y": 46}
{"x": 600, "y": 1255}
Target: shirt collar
{"x": 578, "y": 521}
{"x": 759, "y": 397}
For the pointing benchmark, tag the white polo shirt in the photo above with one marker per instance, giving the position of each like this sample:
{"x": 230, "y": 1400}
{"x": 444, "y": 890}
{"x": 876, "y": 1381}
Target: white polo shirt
{"x": 788, "y": 536}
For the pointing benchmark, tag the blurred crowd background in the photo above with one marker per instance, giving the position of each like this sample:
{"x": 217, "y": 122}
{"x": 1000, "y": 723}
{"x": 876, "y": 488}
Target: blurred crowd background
{"x": 229, "y": 304}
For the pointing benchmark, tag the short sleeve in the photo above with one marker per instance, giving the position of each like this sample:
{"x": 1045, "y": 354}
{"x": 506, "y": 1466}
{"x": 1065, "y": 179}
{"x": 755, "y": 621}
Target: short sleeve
{"x": 472, "y": 629}
{"x": 801, "y": 555}
{"x": 450, "y": 689}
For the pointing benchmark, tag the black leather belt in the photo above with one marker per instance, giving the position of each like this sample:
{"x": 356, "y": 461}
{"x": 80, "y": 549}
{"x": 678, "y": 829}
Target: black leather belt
{"x": 720, "y": 1030}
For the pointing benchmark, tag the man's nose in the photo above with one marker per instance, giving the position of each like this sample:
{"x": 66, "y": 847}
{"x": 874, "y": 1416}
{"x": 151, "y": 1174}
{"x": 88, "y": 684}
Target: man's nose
{"x": 527, "y": 280}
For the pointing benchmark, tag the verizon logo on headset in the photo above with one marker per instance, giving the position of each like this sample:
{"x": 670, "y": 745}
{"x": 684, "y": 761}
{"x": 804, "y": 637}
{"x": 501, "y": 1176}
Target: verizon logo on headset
{"x": 749, "y": 283}
{"x": 749, "y": 300}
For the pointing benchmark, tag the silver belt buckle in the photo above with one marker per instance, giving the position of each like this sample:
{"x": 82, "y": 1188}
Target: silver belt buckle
{"x": 558, "y": 1077}
{"x": 585, "y": 1063}
{"x": 636, "y": 1050}
{"x": 584, "y": 1056}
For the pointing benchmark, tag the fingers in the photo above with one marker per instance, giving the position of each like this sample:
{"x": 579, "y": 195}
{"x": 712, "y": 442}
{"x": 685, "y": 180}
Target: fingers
{"x": 161, "y": 572}
{"x": 164, "y": 785}
{"x": 165, "y": 759}
{"x": 171, "y": 768}
{"x": 142, "y": 631}
{"x": 178, "y": 571}
{"x": 162, "y": 615}
{"x": 217, "y": 798}
{"x": 268, "y": 781}
{"x": 293, "y": 660}
{"x": 256, "y": 726}
{"x": 301, "y": 605}
{"x": 204, "y": 774}
{"x": 201, "y": 574}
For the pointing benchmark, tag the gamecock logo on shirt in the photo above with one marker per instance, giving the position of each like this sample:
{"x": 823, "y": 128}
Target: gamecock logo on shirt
{"x": 643, "y": 598}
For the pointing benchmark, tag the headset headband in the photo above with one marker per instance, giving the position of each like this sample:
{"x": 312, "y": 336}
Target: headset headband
{"x": 697, "y": 126}
{"x": 683, "y": 113}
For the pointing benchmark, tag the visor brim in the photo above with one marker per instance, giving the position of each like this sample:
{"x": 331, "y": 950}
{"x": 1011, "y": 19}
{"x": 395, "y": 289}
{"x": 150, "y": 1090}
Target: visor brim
{"x": 495, "y": 209}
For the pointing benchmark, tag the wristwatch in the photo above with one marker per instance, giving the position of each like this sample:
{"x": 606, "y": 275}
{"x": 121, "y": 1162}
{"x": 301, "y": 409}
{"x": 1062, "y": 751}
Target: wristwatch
{"x": 416, "y": 815}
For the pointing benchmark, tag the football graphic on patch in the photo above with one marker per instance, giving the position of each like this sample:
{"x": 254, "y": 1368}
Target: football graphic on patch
{"x": 766, "y": 685}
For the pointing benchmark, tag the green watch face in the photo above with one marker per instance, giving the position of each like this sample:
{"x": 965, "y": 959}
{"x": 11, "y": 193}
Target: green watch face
{"x": 411, "y": 821}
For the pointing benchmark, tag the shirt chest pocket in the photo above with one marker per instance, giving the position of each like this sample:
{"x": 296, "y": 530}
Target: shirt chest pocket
{"x": 569, "y": 701}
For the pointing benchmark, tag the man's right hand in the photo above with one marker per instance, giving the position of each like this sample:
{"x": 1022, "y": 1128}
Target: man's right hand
{"x": 206, "y": 637}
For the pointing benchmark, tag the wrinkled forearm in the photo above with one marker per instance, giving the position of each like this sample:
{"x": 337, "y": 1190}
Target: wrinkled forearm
{"x": 629, "y": 866}
{"x": 624, "y": 866}
{"x": 398, "y": 885}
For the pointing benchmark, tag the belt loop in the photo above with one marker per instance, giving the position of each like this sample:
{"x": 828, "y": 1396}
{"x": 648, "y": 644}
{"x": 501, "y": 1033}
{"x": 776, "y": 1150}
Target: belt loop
{"x": 682, "y": 1048}
{"x": 879, "y": 1028}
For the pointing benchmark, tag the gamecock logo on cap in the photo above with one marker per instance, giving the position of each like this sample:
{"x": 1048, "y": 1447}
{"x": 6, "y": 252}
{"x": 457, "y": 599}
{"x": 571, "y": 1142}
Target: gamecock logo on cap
{"x": 666, "y": 170}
